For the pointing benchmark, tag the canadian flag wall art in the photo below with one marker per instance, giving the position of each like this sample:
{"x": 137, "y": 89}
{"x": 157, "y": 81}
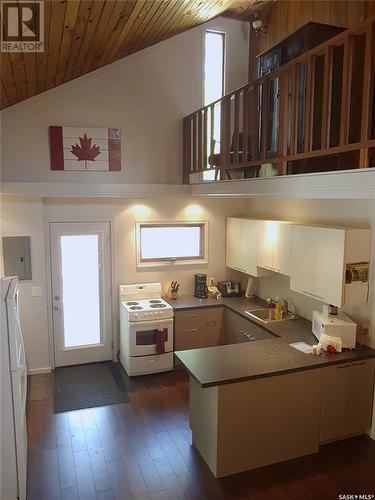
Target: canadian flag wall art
{"x": 87, "y": 149}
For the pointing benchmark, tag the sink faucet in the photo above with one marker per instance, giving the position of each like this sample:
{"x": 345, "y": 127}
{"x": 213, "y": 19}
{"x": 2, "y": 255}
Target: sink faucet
{"x": 286, "y": 312}
{"x": 271, "y": 302}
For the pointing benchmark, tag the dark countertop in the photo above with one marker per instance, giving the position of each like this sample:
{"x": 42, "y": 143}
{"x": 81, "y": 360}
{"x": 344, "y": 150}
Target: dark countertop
{"x": 227, "y": 364}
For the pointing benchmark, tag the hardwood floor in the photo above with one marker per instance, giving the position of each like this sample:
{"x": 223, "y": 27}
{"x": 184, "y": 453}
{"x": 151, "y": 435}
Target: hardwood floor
{"x": 142, "y": 450}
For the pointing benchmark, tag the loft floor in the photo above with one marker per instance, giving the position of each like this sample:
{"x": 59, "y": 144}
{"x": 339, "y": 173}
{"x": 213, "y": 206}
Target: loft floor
{"x": 142, "y": 450}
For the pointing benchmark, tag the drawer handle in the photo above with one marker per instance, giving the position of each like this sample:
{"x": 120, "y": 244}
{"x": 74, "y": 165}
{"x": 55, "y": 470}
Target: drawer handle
{"x": 359, "y": 363}
{"x": 191, "y": 315}
{"x": 191, "y": 330}
{"x": 342, "y": 366}
{"x": 211, "y": 323}
{"x": 248, "y": 335}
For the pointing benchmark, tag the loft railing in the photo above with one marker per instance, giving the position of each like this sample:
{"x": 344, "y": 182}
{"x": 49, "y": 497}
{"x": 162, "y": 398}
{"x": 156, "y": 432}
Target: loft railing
{"x": 315, "y": 113}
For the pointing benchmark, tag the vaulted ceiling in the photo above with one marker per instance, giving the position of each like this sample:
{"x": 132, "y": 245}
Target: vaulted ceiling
{"x": 83, "y": 35}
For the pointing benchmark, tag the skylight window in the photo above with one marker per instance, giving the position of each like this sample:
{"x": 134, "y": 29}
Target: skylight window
{"x": 213, "y": 87}
{"x": 214, "y": 46}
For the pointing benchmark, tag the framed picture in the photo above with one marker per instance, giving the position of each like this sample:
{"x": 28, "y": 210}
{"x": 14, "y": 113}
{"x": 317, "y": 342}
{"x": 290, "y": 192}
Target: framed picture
{"x": 85, "y": 149}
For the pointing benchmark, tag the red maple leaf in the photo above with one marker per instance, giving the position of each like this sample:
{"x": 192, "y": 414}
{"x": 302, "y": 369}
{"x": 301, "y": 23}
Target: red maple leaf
{"x": 85, "y": 152}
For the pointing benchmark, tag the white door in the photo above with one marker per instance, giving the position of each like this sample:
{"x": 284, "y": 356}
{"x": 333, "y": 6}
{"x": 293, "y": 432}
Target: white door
{"x": 81, "y": 292}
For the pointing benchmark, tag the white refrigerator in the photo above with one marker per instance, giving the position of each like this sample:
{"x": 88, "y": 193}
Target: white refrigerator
{"x": 13, "y": 392}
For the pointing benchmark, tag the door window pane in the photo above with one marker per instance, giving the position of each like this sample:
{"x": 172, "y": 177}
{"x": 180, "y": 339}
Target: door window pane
{"x": 80, "y": 288}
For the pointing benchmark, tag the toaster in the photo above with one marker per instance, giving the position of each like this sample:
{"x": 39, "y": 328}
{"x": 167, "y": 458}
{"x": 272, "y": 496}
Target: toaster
{"x": 229, "y": 288}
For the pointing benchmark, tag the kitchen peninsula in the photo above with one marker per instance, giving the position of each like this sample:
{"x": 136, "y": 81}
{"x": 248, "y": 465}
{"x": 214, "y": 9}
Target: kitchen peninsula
{"x": 260, "y": 402}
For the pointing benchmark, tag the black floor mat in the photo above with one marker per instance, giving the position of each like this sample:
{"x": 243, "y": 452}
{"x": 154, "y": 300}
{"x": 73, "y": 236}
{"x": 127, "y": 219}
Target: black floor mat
{"x": 85, "y": 386}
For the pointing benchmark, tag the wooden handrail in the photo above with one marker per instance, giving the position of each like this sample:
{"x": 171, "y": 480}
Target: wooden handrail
{"x": 285, "y": 115}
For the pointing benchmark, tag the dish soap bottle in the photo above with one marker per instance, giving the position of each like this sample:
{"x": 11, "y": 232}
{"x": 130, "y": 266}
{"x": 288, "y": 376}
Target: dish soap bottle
{"x": 278, "y": 309}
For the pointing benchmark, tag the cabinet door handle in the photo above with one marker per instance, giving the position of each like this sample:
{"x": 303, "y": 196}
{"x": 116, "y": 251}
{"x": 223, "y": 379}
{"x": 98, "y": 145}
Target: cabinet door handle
{"x": 191, "y": 330}
{"x": 211, "y": 323}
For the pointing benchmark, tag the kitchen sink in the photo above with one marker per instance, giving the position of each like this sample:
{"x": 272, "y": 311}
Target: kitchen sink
{"x": 267, "y": 315}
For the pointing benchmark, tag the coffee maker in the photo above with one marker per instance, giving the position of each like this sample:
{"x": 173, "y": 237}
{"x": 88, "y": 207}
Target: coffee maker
{"x": 200, "y": 286}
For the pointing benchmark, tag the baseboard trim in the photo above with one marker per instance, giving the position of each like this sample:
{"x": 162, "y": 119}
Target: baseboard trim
{"x": 37, "y": 371}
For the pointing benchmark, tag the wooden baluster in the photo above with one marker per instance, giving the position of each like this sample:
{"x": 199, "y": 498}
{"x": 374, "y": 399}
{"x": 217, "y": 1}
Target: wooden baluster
{"x": 346, "y": 84}
{"x": 195, "y": 129}
{"x": 186, "y": 138}
{"x": 225, "y": 130}
{"x": 236, "y": 129}
{"x": 368, "y": 84}
{"x": 283, "y": 122}
{"x": 185, "y": 164}
{"x": 200, "y": 141}
{"x": 293, "y": 111}
{"x": 205, "y": 131}
{"x": 326, "y": 103}
{"x": 212, "y": 130}
{"x": 253, "y": 120}
{"x": 310, "y": 68}
{"x": 245, "y": 125}
{"x": 265, "y": 118}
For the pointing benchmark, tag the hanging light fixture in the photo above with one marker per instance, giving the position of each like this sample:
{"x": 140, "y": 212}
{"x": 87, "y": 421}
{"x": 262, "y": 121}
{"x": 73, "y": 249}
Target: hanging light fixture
{"x": 259, "y": 27}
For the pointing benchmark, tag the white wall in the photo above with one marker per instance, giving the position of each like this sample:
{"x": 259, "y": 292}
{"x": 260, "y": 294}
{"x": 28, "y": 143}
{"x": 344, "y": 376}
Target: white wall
{"x": 146, "y": 95}
{"x": 357, "y": 213}
{"x": 23, "y": 217}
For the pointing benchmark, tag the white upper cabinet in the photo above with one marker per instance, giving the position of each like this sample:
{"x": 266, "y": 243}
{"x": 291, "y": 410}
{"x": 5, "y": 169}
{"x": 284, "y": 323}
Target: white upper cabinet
{"x": 274, "y": 246}
{"x": 319, "y": 259}
{"x": 328, "y": 264}
{"x": 242, "y": 237}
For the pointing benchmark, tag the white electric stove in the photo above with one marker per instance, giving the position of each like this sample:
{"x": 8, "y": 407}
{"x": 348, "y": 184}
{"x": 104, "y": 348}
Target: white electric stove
{"x": 146, "y": 329}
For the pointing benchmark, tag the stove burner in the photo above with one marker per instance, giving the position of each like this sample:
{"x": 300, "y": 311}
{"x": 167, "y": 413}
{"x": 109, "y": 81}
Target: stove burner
{"x": 155, "y": 301}
{"x": 136, "y": 308}
{"x": 132, "y": 303}
{"x": 157, "y": 306}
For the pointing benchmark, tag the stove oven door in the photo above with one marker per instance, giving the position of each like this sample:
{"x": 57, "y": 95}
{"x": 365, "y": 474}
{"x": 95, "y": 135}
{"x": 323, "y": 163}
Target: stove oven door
{"x": 143, "y": 335}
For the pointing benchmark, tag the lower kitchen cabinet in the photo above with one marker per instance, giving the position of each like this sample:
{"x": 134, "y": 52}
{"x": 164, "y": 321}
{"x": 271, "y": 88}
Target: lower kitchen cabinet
{"x": 198, "y": 328}
{"x": 238, "y": 329}
{"x": 212, "y": 326}
{"x": 347, "y": 400}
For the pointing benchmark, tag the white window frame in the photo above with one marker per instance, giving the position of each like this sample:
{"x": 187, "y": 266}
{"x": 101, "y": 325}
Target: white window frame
{"x": 178, "y": 261}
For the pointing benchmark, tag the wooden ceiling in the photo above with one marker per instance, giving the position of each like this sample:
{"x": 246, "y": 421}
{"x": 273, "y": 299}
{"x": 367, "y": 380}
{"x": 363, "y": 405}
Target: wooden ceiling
{"x": 83, "y": 35}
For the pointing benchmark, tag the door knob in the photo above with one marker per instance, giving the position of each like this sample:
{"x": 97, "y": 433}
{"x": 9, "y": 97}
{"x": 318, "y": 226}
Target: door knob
{"x": 57, "y": 297}
{"x": 57, "y": 308}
